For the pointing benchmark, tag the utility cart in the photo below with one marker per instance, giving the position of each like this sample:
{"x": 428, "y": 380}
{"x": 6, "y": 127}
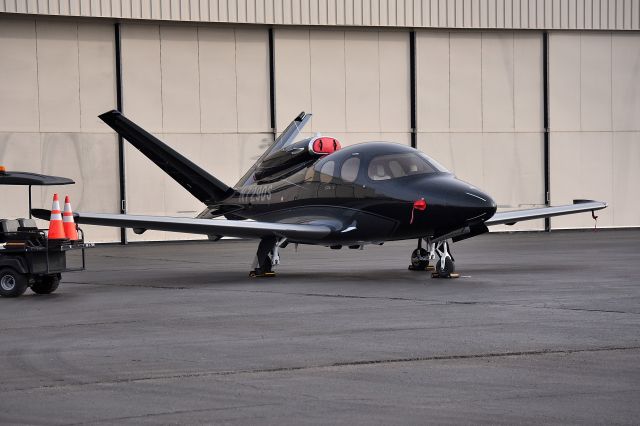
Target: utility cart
{"x": 27, "y": 257}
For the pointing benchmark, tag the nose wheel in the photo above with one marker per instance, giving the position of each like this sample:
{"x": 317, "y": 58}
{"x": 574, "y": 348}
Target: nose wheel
{"x": 420, "y": 257}
{"x": 445, "y": 266}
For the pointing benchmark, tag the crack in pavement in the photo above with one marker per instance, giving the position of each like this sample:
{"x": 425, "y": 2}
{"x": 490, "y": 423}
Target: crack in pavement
{"x": 340, "y": 364}
{"x": 169, "y": 413}
{"x": 350, "y": 296}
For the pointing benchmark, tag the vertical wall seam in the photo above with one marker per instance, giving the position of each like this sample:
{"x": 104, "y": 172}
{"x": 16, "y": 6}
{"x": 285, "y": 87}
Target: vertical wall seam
{"x": 79, "y": 76}
{"x": 379, "y": 85}
{"x": 580, "y": 83}
{"x": 235, "y": 72}
{"x": 482, "y": 34}
{"x": 199, "y": 78}
{"x": 513, "y": 79}
{"x": 580, "y": 77}
{"x": 613, "y": 141}
{"x": 310, "y": 74}
{"x": 344, "y": 53}
{"x": 35, "y": 32}
{"x": 449, "y": 71}
{"x": 161, "y": 80}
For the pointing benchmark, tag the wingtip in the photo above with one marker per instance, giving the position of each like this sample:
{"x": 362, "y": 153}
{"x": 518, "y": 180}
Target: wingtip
{"x": 584, "y": 201}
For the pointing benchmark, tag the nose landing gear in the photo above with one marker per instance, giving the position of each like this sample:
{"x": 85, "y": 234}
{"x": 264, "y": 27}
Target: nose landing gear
{"x": 444, "y": 267}
{"x": 420, "y": 257}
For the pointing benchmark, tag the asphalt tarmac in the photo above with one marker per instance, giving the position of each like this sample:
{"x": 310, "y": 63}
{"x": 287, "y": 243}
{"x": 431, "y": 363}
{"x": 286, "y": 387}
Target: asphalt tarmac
{"x": 540, "y": 328}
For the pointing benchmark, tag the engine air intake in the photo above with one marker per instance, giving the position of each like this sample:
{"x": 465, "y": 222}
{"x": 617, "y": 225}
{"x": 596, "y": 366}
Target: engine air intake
{"x": 325, "y": 145}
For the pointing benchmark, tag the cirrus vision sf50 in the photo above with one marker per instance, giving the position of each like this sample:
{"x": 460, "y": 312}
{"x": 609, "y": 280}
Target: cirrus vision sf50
{"x": 312, "y": 191}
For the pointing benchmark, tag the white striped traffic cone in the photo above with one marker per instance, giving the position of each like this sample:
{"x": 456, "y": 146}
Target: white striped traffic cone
{"x": 70, "y": 229}
{"x": 56, "y": 230}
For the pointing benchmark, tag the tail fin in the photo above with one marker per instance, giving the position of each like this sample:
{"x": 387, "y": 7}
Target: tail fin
{"x": 198, "y": 182}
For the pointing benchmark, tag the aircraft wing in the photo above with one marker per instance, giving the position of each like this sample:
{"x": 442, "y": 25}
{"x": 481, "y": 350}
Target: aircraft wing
{"x": 227, "y": 228}
{"x": 513, "y": 216}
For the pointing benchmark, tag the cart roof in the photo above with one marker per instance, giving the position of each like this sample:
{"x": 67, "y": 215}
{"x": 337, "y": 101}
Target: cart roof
{"x": 35, "y": 179}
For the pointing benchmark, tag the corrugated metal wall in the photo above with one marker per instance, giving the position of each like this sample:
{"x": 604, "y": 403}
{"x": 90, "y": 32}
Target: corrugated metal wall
{"x": 516, "y": 14}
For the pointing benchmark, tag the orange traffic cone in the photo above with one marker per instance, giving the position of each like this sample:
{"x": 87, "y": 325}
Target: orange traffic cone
{"x": 67, "y": 220}
{"x": 56, "y": 230}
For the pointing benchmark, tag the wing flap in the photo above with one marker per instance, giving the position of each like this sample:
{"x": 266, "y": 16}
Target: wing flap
{"x": 227, "y": 228}
{"x": 513, "y": 216}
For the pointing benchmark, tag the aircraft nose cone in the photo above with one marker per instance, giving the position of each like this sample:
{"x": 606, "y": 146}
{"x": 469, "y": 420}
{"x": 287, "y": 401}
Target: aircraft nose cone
{"x": 483, "y": 206}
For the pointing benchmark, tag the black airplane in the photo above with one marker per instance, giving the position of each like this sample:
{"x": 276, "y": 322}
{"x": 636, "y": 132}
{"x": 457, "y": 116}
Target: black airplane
{"x": 312, "y": 191}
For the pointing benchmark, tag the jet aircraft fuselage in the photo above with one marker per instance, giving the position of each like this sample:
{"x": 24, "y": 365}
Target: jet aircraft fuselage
{"x": 369, "y": 192}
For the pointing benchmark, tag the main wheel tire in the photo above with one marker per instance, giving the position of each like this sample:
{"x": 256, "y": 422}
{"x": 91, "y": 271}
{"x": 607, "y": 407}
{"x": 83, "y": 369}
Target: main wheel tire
{"x": 12, "y": 283}
{"x": 46, "y": 284}
{"x": 419, "y": 259}
{"x": 449, "y": 268}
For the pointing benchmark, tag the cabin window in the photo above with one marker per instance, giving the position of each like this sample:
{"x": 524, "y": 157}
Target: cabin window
{"x": 326, "y": 172}
{"x": 349, "y": 171}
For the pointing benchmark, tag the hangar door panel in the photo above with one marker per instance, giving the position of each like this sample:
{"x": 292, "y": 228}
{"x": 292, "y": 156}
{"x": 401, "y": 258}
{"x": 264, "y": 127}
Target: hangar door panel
{"x": 205, "y": 92}
{"x": 479, "y": 112}
{"x": 60, "y": 75}
{"x": 355, "y": 83}
{"x": 594, "y": 140}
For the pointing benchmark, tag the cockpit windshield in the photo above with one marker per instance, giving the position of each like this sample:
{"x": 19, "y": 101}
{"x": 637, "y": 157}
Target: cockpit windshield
{"x": 398, "y": 165}
{"x": 380, "y": 161}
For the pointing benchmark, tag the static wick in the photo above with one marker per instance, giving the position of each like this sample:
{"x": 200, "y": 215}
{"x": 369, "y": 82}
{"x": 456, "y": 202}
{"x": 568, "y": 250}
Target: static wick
{"x": 595, "y": 220}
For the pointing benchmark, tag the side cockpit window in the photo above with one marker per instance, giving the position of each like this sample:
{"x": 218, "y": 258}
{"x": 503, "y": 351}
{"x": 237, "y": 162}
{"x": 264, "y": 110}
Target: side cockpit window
{"x": 326, "y": 172}
{"x": 349, "y": 170}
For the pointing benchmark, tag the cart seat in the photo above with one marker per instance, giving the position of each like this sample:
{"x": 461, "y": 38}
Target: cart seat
{"x": 27, "y": 225}
{"x": 20, "y": 232}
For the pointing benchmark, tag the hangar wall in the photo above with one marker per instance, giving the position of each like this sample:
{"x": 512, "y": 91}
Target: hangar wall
{"x": 205, "y": 90}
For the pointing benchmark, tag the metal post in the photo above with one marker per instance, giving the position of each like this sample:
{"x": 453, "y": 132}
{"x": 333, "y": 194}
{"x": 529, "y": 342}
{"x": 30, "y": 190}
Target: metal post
{"x": 413, "y": 89}
{"x": 121, "y": 158}
{"x": 547, "y": 135}
{"x": 30, "y": 204}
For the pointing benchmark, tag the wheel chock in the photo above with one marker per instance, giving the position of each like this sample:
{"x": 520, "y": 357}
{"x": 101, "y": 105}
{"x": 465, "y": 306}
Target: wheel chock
{"x": 452, "y": 275}
{"x": 429, "y": 268}
{"x": 254, "y": 274}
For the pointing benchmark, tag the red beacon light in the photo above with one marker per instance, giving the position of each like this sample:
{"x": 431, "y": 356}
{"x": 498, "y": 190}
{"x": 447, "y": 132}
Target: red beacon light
{"x": 324, "y": 145}
{"x": 420, "y": 204}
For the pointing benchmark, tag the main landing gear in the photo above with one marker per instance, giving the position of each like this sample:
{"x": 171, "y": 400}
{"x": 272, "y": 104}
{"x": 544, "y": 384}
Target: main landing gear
{"x": 444, "y": 266}
{"x": 267, "y": 257}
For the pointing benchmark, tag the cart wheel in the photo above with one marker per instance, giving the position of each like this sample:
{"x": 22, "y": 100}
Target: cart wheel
{"x": 46, "y": 284}
{"x": 12, "y": 283}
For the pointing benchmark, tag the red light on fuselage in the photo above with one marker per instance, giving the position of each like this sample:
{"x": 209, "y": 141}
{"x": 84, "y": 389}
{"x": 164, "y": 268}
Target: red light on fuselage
{"x": 325, "y": 145}
{"x": 420, "y": 204}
